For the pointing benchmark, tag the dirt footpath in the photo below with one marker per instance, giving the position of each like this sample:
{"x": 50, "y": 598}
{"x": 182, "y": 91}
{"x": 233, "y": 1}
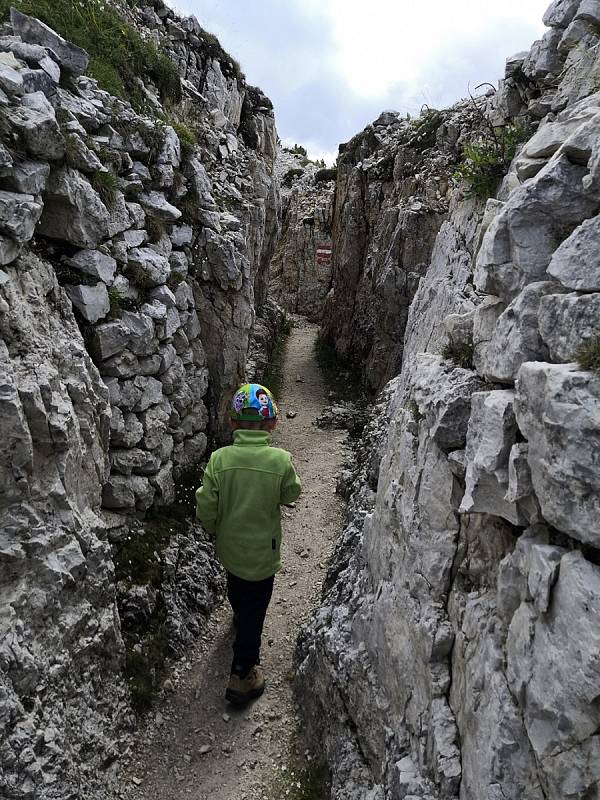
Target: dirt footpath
{"x": 195, "y": 744}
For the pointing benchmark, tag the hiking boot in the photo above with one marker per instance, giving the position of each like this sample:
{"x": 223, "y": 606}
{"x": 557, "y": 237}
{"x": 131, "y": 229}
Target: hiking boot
{"x": 241, "y": 690}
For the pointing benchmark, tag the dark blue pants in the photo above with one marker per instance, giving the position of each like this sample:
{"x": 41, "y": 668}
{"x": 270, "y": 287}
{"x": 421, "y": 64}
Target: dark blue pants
{"x": 249, "y": 601}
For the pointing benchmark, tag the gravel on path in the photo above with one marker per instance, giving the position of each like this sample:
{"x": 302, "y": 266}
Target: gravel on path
{"x": 195, "y": 745}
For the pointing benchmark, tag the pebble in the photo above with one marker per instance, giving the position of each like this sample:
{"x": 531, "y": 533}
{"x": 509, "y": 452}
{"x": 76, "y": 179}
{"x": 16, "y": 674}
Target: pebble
{"x": 136, "y": 781}
{"x": 206, "y": 748}
{"x": 226, "y": 717}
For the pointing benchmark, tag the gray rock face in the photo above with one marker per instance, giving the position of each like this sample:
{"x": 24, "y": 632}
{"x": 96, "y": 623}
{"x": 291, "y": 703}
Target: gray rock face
{"x": 576, "y": 263}
{"x": 301, "y": 265}
{"x": 556, "y": 408}
{"x": 55, "y": 418}
{"x": 453, "y": 654}
{"x": 108, "y": 408}
{"x": 568, "y": 321}
{"x": 383, "y": 235}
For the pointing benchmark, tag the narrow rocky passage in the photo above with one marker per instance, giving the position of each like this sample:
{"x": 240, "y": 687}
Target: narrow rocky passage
{"x": 196, "y": 745}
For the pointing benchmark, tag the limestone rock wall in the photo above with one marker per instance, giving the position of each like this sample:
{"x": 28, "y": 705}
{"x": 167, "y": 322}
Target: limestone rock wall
{"x": 455, "y": 652}
{"x": 132, "y": 262}
{"x": 300, "y": 279}
{"x": 392, "y": 196}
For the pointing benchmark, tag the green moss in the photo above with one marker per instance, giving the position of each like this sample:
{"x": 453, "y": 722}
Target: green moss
{"x": 588, "y": 355}
{"x": 119, "y": 56}
{"x": 116, "y": 302}
{"x": 460, "y": 354}
{"x": 107, "y": 186}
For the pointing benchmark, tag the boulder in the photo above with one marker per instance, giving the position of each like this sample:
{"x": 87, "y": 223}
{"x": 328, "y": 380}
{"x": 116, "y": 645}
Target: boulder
{"x": 576, "y": 263}
{"x": 11, "y": 80}
{"x": 147, "y": 268}
{"x": 95, "y": 263}
{"x": 557, "y": 410}
{"x": 561, "y": 13}
{"x": 157, "y": 204}
{"x": 72, "y": 58}
{"x": 19, "y": 214}
{"x": 520, "y": 242}
{"x": 567, "y": 321}
{"x": 35, "y": 123}
{"x": 73, "y": 211}
{"x": 516, "y": 337}
{"x": 28, "y": 177}
{"x": 9, "y": 250}
{"x": 442, "y": 393}
{"x": 92, "y": 302}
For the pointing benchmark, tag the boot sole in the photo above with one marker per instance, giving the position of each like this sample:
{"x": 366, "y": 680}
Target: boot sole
{"x": 242, "y": 698}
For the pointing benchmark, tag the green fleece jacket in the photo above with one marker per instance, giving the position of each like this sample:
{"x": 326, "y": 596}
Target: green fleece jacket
{"x": 243, "y": 487}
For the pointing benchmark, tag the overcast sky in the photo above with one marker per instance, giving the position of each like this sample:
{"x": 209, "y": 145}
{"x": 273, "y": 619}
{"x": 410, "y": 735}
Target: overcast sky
{"x": 331, "y": 66}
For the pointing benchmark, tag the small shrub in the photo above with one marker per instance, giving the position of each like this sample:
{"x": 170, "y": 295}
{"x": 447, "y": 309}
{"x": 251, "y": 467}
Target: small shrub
{"x": 588, "y": 355}
{"x": 324, "y": 175}
{"x": 115, "y": 299}
{"x": 187, "y": 138}
{"x": 174, "y": 279}
{"x": 139, "y": 277}
{"x": 426, "y": 127}
{"x": 460, "y": 354}
{"x": 62, "y": 115}
{"x": 486, "y": 158}
{"x": 107, "y": 186}
{"x": 155, "y": 228}
{"x": 296, "y": 150}
{"x": 291, "y": 175}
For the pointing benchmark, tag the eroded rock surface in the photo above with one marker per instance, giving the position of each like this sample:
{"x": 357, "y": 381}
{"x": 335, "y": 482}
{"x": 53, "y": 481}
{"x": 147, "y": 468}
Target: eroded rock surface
{"x": 452, "y": 657}
{"x": 132, "y": 270}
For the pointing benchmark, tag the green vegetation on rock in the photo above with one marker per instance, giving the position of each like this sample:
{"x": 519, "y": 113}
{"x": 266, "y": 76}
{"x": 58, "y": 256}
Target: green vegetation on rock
{"x": 588, "y": 355}
{"x": 120, "y": 59}
{"x": 487, "y": 157}
{"x": 460, "y": 354}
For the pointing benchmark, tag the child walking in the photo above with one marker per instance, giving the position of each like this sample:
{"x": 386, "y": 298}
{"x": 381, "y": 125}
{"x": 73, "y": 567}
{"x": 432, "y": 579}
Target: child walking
{"x": 239, "y": 502}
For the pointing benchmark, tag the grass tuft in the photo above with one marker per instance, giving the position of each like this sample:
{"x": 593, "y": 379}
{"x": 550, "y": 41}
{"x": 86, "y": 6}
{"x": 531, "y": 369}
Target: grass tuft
{"x": 119, "y": 56}
{"x": 460, "y": 354}
{"x": 107, "y": 186}
{"x": 588, "y": 355}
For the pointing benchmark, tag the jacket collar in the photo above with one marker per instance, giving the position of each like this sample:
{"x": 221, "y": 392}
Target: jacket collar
{"x": 251, "y": 438}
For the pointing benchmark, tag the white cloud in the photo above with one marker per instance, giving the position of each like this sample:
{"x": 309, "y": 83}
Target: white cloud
{"x": 385, "y": 42}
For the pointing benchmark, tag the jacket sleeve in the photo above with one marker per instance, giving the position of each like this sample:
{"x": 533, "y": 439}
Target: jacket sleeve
{"x": 290, "y": 485}
{"x": 207, "y": 499}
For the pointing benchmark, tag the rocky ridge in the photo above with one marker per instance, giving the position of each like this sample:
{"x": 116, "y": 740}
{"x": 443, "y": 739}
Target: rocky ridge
{"x": 134, "y": 251}
{"x": 454, "y": 654}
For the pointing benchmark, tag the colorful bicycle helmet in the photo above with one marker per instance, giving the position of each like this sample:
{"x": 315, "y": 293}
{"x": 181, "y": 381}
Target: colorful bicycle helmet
{"x": 253, "y": 403}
